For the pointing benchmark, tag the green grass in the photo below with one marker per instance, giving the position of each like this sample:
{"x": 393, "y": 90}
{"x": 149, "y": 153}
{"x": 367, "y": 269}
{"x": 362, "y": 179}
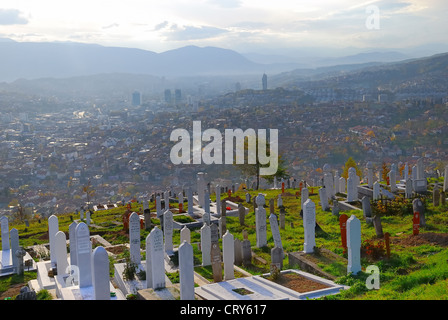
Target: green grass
{"x": 428, "y": 282}
{"x": 8, "y": 281}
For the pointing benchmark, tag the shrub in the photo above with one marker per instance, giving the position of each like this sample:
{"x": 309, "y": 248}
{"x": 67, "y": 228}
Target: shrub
{"x": 44, "y": 294}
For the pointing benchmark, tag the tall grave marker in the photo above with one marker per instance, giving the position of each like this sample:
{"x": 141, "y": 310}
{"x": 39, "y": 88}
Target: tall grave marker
{"x": 155, "y": 266}
{"x": 84, "y": 250}
{"x": 309, "y": 225}
{"x": 354, "y": 245}
{"x": 260, "y": 221}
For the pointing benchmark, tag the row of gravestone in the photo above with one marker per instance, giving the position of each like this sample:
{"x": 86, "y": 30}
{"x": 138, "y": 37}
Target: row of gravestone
{"x": 11, "y": 248}
{"x": 234, "y": 251}
{"x": 159, "y": 243}
{"x": 309, "y": 224}
{"x": 414, "y": 182}
{"x": 92, "y": 267}
{"x": 156, "y": 246}
{"x": 87, "y": 267}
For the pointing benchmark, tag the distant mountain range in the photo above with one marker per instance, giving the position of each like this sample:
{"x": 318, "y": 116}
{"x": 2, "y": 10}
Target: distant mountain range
{"x": 429, "y": 73}
{"x": 33, "y": 60}
{"x": 61, "y": 60}
{"x": 74, "y": 69}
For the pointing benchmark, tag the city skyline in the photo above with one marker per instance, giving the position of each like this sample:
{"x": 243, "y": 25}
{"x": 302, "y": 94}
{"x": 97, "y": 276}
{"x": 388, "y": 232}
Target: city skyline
{"x": 241, "y": 25}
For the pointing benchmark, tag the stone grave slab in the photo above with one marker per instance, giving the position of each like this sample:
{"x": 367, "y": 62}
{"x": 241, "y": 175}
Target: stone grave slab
{"x": 87, "y": 293}
{"x": 308, "y": 261}
{"x": 6, "y": 262}
{"x": 259, "y": 288}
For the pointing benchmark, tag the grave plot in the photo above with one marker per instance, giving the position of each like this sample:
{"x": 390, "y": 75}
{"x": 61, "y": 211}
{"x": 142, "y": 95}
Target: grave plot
{"x": 312, "y": 262}
{"x": 288, "y": 285}
{"x": 81, "y": 275}
{"x": 148, "y": 278}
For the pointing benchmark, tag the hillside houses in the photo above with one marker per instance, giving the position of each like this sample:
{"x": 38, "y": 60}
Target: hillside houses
{"x": 60, "y": 152}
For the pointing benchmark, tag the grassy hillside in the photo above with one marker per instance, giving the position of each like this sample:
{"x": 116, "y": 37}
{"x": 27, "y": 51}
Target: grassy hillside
{"x": 416, "y": 269}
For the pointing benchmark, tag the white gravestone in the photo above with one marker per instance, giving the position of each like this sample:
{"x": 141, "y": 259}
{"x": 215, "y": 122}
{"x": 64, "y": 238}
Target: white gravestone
{"x": 201, "y": 188}
{"x": 14, "y": 234}
{"x": 155, "y": 265}
{"x": 84, "y": 252}
{"x": 4, "y": 223}
{"x": 206, "y": 244}
{"x": 420, "y": 169}
{"x": 414, "y": 172}
{"x": 393, "y": 180}
{"x": 207, "y": 202}
{"x": 190, "y": 201}
{"x": 350, "y": 186}
{"x": 328, "y": 183}
{"x": 354, "y": 245}
{"x": 186, "y": 271}
{"x": 168, "y": 231}
{"x": 260, "y": 222}
{"x": 53, "y": 228}
{"x": 408, "y": 189}
{"x": 279, "y": 201}
{"x": 100, "y": 274}
{"x": 336, "y": 182}
{"x": 159, "y": 207}
{"x": 134, "y": 238}
{"x": 166, "y": 200}
{"x": 309, "y": 225}
{"x": 324, "y": 199}
{"x": 376, "y": 190}
{"x": 206, "y": 216}
{"x": 61, "y": 252}
{"x": 185, "y": 235}
{"x": 304, "y": 196}
{"x": 228, "y": 252}
{"x": 354, "y": 184}
{"x": 218, "y": 199}
{"x": 72, "y": 243}
{"x": 342, "y": 185}
{"x": 406, "y": 171}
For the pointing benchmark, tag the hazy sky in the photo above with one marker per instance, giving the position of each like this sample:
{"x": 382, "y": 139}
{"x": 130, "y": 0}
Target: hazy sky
{"x": 242, "y": 25}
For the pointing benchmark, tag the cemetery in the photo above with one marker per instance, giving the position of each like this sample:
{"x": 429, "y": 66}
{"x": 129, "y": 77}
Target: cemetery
{"x": 286, "y": 241}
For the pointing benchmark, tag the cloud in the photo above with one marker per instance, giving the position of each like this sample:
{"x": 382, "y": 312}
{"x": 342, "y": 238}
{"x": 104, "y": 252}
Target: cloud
{"x": 184, "y": 33}
{"x": 161, "y": 25}
{"x": 113, "y": 25}
{"x": 226, "y": 3}
{"x": 250, "y": 25}
{"x": 11, "y": 17}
